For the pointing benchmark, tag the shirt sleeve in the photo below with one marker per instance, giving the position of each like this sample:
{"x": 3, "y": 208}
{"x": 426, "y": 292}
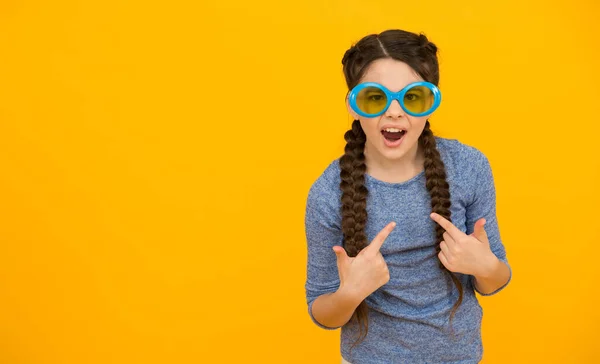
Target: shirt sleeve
{"x": 483, "y": 204}
{"x": 323, "y": 231}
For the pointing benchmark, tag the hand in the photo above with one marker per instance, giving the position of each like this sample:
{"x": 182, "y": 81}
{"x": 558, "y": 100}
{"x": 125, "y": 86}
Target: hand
{"x": 365, "y": 273}
{"x": 462, "y": 253}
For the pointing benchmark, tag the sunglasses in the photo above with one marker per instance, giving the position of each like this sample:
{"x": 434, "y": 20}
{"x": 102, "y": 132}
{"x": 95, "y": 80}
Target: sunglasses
{"x": 371, "y": 99}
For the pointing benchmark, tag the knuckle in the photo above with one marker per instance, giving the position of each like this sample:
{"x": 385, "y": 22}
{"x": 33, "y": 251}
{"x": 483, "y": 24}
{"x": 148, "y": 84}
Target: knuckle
{"x": 385, "y": 273}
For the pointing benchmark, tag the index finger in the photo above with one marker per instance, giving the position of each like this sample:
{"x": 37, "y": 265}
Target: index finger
{"x": 380, "y": 238}
{"x": 454, "y": 232}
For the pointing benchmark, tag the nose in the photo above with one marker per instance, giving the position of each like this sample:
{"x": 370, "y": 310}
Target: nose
{"x": 394, "y": 110}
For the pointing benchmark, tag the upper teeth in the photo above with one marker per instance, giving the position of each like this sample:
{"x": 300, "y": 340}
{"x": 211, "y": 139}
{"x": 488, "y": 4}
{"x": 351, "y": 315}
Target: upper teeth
{"x": 392, "y": 130}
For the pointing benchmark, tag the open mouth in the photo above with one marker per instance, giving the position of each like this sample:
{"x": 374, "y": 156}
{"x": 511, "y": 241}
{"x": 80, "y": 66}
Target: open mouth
{"x": 392, "y": 134}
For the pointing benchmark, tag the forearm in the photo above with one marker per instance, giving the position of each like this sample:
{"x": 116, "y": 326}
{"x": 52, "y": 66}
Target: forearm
{"x": 493, "y": 278}
{"x": 335, "y": 309}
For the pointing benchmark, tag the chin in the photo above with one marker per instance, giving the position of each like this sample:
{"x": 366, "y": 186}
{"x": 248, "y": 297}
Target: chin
{"x": 395, "y": 154}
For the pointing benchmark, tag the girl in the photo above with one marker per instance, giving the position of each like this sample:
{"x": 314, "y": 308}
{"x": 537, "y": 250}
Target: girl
{"x": 395, "y": 227}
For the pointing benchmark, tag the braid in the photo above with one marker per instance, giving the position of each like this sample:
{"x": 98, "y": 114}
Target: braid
{"x": 354, "y": 207}
{"x": 439, "y": 191}
{"x": 354, "y": 203}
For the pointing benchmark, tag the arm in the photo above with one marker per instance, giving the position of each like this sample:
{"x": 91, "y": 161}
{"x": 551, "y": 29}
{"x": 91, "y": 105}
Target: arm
{"x": 483, "y": 204}
{"x": 333, "y": 310}
{"x": 328, "y": 306}
{"x": 490, "y": 282}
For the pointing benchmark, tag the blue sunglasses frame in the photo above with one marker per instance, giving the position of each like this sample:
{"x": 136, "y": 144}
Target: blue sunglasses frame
{"x": 437, "y": 97}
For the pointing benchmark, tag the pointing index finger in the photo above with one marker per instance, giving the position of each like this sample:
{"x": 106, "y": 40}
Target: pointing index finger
{"x": 454, "y": 232}
{"x": 380, "y": 238}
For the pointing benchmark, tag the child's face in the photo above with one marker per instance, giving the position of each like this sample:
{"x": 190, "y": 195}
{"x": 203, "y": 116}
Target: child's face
{"x": 394, "y": 75}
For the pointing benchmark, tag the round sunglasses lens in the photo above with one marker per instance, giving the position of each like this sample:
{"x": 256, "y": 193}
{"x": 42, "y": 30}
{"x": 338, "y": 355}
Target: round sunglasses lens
{"x": 418, "y": 99}
{"x": 371, "y": 100}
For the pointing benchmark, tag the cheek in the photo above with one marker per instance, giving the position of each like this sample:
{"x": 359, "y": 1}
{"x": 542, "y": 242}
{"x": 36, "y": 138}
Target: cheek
{"x": 418, "y": 124}
{"x": 370, "y": 126}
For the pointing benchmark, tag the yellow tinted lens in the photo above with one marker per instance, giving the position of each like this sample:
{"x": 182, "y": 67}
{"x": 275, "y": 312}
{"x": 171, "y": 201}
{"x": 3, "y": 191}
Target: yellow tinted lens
{"x": 418, "y": 99}
{"x": 371, "y": 100}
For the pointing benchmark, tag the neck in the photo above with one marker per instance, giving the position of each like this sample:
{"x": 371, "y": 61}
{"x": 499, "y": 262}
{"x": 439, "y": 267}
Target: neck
{"x": 394, "y": 170}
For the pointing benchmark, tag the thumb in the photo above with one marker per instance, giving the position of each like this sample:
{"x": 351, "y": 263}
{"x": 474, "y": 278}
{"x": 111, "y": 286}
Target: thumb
{"x": 479, "y": 231}
{"x": 341, "y": 255}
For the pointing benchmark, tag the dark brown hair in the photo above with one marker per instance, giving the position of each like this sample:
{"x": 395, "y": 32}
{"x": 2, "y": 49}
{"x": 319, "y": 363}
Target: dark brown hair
{"x": 421, "y": 55}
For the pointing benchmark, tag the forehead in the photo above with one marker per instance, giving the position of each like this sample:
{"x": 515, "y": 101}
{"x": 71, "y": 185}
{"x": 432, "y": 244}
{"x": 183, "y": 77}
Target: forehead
{"x": 392, "y": 74}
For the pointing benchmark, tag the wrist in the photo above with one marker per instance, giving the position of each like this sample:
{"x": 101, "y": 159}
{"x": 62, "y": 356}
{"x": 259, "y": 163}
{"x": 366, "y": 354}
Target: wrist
{"x": 350, "y": 295}
{"x": 490, "y": 267}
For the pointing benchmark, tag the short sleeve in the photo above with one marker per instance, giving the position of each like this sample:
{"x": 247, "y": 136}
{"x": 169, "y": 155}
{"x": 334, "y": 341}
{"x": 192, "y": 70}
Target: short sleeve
{"x": 483, "y": 204}
{"x": 323, "y": 231}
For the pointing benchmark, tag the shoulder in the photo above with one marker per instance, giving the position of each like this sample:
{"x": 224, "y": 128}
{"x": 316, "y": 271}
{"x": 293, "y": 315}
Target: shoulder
{"x": 325, "y": 189}
{"x": 461, "y": 158}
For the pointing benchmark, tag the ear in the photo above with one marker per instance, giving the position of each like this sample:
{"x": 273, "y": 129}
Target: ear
{"x": 350, "y": 111}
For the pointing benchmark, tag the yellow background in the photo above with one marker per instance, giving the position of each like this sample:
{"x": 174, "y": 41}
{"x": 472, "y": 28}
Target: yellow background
{"x": 155, "y": 159}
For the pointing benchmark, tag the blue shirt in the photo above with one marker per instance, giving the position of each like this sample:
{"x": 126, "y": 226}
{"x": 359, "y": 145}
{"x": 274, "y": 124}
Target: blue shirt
{"x": 409, "y": 315}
